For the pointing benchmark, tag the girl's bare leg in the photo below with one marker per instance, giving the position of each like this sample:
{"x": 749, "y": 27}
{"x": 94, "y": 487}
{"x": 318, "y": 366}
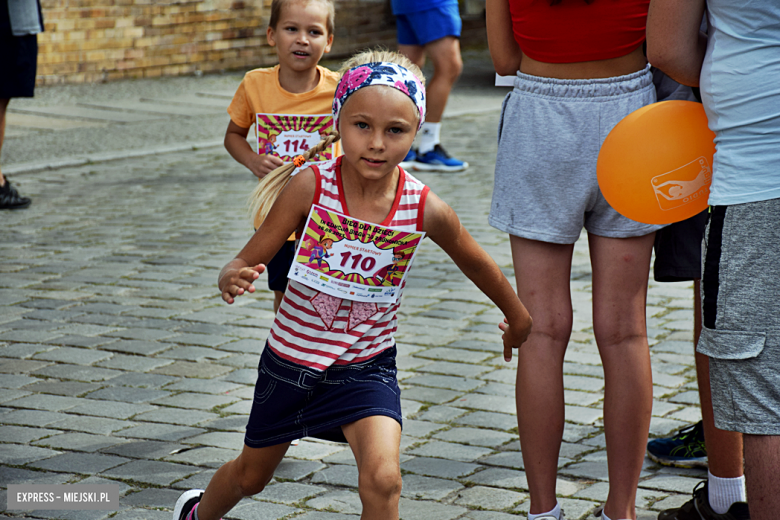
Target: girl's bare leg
{"x": 543, "y": 271}
{"x": 243, "y": 477}
{"x": 376, "y": 442}
{"x": 620, "y": 276}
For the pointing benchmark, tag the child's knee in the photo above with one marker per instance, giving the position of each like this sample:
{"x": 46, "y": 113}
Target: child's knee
{"x": 383, "y": 481}
{"x": 251, "y": 480}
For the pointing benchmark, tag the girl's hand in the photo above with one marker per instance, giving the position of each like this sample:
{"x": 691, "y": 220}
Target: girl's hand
{"x": 262, "y": 165}
{"x": 235, "y": 282}
{"x": 515, "y": 334}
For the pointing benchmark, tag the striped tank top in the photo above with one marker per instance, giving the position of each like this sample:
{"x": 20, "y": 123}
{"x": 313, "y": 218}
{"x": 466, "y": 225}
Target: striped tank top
{"x": 317, "y": 330}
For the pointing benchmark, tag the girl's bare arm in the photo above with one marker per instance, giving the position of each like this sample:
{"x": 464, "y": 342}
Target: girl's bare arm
{"x": 504, "y": 50}
{"x": 443, "y": 227}
{"x": 238, "y": 147}
{"x": 287, "y": 214}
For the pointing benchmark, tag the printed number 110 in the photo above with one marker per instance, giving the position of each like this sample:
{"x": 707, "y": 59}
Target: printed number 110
{"x": 366, "y": 265}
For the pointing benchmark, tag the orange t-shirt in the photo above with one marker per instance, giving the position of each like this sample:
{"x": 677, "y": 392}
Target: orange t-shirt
{"x": 261, "y": 101}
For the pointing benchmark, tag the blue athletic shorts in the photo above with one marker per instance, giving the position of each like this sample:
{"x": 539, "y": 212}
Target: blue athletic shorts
{"x": 423, "y": 27}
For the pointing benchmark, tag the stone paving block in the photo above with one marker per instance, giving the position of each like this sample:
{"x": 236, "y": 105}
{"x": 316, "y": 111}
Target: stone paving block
{"x": 671, "y": 502}
{"x": 671, "y": 484}
{"x": 74, "y": 515}
{"x": 338, "y": 475}
{"x": 489, "y": 498}
{"x": 582, "y": 415}
{"x": 52, "y": 403}
{"x": 689, "y": 414}
{"x": 141, "y": 334}
{"x": 204, "y": 456}
{"x": 207, "y": 387}
{"x": 9, "y": 395}
{"x": 142, "y": 380}
{"x": 16, "y": 476}
{"x": 78, "y": 356}
{"x": 321, "y": 515}
{"x": 427, "y": 488}
{"x": 490, "y": 403}
{"x": 191, "y": 400}
{"x": 20, "y": 366}
{"x": 151, "y": 498}
{"x": 499, "y": 477}
{"x": 598, "y": 492}
{"x": 489, "y": 515}
{"x": 18, "y": 454}
{"x": 195, "y": 354}
{"x": 83, "y": 463}
{"x": 199, "y": 480}
{"x": 142, "y": 348}
{"x": 149, "y": 450}
{"x": 588, "y": 384}
{"x": 246, "y": 346}
{"x": 410, "y": 408}
{"x": 475, "y": 437}
{"x": 127, "y": 394}
{"x": 449, "y": 450}
{"x": 151, "y": 472}
{"x": 426, "y": 510}
{"x": 236, "y": 423}
{"x": 443, "y": 468}
{"x": 290, "y": 492}
{"x": 416, "y": 428}
{"x": 448, "y": 368}
{"x": 497, "y": 421}
{"x": 494, "y": 388}
{"x": 457, "y": 384}
{"x": 308, "y": 450}
{"x": 66, "y": 388}
{"x": 343, "y": 501}
{"x": 23, "y": 435}
{"x": 455, "y": 355}
{"x": 292, "y": 469}
{"x": 429, "y": 395}
{"x": 28, "y": 336}
{"x": 202, "y": 340}
{"x": 96, "y": 425}
{"x": 162, "y": 432}
{"x": 142, "y": 514}
{"x": 242, "y": 376}
{"x": 442, "y": 414}
{"x": 227, "y": 440}
{"x": 507, "y": 459}
{"x": 111, "y": 409}
{"x": 134, "y": 363}
{"x": 197, "y": 370}
{"x": 78, "y": 442}
{"x": 17, "y": 381}
{"x": 77, "y": 373}
{"x": 661, "y": 427}
{"x": 176, "y": 416}
{"x": 32, "y": 417}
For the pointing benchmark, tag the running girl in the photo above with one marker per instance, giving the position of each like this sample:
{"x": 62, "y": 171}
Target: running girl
{"x": 328, "y": 370}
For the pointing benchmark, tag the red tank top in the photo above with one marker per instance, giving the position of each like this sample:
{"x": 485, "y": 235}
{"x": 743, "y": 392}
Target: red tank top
{"x": 574, "y": 31}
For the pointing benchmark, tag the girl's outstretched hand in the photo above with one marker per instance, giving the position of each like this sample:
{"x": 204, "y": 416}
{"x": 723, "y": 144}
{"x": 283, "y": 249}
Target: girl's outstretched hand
{"x": 515, "y": 334}
{"x": 237, "y": 281}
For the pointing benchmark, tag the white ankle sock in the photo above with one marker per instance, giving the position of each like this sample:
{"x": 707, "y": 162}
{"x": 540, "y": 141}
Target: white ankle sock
{"x": 429, "y": 137}
{"x": 723, "y": 492}
{"x": 556, "y": 512}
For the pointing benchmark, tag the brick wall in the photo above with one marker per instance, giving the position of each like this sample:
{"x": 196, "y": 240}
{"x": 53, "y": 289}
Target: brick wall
{"x": 104, "y": 40}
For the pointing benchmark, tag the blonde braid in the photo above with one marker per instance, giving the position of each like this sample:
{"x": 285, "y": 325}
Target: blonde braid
{"x": 268, "y": 189}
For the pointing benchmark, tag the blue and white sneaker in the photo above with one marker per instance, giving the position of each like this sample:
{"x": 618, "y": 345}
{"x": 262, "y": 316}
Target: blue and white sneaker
{"x": 438, "y": 160}
{"x": 408, "y": 162}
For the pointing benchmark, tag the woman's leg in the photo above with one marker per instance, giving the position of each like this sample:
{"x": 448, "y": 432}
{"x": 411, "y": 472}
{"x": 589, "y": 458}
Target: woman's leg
{"x": 376, "y": 442}
{"x": 542, "y": 271}
{"x": 242, "y": 477}
{"x": 620, "y": 276}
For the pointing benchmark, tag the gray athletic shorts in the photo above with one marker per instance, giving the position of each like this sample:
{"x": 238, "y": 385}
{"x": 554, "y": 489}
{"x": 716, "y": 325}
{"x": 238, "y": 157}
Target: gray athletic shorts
{"x": 741, "y": 314}
{"x": 549, "y": 138}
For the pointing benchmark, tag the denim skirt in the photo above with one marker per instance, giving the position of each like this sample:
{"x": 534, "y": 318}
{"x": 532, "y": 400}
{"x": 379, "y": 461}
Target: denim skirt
{"x": 293, "y": 401}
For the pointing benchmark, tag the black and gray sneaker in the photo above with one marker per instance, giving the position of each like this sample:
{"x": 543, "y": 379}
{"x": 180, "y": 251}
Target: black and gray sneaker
{"x": 10, "y": 198}
{"x": 698, "y": 508}
{"x": 684, "y": 449}
{"x": 186, "y": 503}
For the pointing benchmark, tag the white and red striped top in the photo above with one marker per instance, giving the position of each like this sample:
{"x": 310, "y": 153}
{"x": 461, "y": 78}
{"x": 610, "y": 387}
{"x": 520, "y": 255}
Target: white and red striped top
{"x": 317, "y": 330}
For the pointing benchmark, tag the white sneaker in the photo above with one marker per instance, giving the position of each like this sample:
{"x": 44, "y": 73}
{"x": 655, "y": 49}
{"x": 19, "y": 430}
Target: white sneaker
{"x": 186, "y": 503}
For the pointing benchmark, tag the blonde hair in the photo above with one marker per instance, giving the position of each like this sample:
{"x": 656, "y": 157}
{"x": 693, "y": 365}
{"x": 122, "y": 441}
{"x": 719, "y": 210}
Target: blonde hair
{"x": 268, "y": 189}
{"x": 278, "y": 5}
{"x": 378, "y": 55}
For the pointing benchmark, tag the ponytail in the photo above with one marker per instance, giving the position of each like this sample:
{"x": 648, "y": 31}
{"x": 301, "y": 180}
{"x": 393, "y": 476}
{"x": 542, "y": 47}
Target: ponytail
{"x": 268, "y": 189}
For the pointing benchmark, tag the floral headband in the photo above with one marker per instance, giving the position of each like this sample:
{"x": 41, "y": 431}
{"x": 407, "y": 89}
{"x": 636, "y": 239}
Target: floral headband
{"x": 379, "y": 73}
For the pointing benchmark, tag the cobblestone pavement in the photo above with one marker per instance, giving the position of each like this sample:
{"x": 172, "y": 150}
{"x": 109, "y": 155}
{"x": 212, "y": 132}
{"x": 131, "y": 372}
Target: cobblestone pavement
{"x": 120, "y": 363}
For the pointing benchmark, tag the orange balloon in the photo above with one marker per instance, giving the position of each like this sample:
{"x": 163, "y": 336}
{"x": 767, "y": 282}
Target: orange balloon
{"x": 655, "y": 166}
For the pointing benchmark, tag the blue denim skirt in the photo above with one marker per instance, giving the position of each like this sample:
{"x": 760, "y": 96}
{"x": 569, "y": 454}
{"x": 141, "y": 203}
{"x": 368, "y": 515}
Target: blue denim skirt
{"x": 293, "y": 401}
